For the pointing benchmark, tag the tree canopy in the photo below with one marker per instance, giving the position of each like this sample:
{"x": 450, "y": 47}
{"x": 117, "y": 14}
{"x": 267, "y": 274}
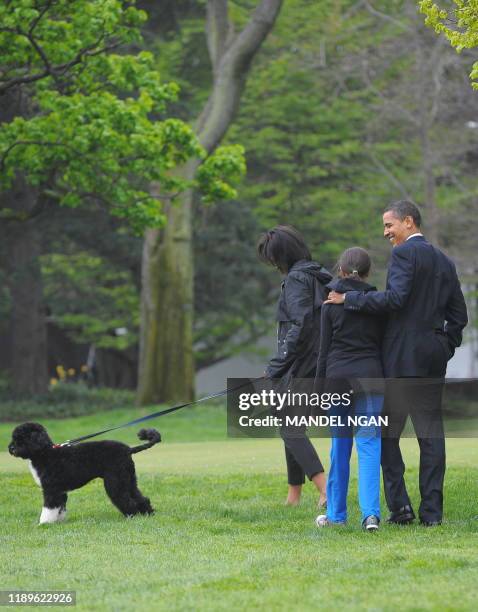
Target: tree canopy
{"x": 459, "y": 25}
{"x": 95, "y": 122}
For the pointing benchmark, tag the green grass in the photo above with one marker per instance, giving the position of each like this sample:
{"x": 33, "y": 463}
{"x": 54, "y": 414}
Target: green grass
{"x": 221, "y": 538}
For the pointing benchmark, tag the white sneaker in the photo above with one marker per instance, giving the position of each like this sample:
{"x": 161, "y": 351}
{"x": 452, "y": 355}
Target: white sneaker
{"x": 322, "y": 521}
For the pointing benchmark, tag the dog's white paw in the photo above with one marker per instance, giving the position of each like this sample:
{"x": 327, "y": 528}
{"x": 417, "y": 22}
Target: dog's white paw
{"x": 50, "y": 515}
{"x": 62, "y": 514}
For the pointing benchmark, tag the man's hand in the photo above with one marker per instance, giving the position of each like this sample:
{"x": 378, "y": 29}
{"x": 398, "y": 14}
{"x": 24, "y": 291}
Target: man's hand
{"x": 335, "y": 298}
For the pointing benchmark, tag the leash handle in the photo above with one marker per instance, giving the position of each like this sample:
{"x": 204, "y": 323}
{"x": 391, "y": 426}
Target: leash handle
{"x": 157, "y": 414}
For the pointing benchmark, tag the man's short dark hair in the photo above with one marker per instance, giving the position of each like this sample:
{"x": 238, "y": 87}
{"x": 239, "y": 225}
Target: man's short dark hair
{"x": 405, "y": 208}
{"x": 282, "y": 246}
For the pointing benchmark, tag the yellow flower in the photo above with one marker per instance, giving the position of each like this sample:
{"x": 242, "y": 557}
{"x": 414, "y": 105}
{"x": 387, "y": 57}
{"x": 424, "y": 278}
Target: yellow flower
{"x": 84, "y": 368}
{"x": 53, "y": 381}
{"x": 71, "y": 371}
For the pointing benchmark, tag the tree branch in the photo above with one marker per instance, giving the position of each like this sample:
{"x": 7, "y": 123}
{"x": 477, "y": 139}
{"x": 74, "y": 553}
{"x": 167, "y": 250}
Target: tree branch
{"x": 7, "y": 215}
{"x": 399, "y": 108}
{"x": 437, "y": 66}
{"x": 218, "y": 29}
{"x": 6, "y": 153}
{"x": 59, "y": 70}
{"x": 231, "y": 73}
{"x": 385, "y": 17}
{"x": 42, "y": 13}
{"x": 250, "y": 39}
{"x": 386, "y": 172}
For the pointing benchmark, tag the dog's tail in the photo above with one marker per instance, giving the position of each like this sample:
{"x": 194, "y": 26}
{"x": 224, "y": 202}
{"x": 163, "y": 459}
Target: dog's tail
{"x": 152, "y": 435}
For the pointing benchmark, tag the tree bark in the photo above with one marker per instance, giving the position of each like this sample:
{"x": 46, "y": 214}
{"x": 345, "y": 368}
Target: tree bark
{"x": 21, "y": 250}
{"x": 166, "y": 363}
{"x": 29, "y": 370}
{"x": 166, "y": 368}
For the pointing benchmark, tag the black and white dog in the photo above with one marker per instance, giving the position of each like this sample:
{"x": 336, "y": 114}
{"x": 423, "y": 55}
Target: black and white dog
{"x": 58, "y": 469}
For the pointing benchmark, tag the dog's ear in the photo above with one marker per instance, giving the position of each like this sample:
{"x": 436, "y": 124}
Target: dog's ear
{"x": 39, "y": 440}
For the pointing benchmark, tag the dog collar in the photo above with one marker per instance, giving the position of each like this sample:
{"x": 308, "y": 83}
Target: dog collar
{"x": 67, "y": 443}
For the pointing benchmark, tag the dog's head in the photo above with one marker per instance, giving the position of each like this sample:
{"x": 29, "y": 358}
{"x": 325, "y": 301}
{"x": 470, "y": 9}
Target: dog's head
{"x": 28, "y": 440}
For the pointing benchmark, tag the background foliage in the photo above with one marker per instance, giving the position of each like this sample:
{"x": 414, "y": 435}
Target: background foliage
{"x": 348, "y": 106}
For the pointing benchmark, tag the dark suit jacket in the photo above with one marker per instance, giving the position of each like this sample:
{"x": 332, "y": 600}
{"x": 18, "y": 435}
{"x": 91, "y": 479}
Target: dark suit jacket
{"x": 425, "y": 306}
{"x": 350, "y": 342}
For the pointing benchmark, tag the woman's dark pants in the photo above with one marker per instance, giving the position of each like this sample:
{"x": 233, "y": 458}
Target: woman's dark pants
{"x": 301, "y": 458}
{"x": 300, "y": 454}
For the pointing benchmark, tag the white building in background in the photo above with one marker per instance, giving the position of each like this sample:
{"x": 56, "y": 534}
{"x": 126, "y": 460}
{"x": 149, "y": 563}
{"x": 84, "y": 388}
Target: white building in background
{"x": 465, "y": 361}
{"x": 244, "y": 365}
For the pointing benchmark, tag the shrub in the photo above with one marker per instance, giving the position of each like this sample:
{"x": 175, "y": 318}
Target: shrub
{"x": 63, "y": 400}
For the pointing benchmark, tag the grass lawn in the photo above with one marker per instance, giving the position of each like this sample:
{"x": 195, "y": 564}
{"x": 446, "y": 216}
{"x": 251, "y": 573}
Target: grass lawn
{"x": 221, "y": 538}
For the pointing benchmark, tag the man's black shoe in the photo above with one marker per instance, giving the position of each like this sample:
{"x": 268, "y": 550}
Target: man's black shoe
{"x": 403, "y": 516}
{"x": 430, "y": 523}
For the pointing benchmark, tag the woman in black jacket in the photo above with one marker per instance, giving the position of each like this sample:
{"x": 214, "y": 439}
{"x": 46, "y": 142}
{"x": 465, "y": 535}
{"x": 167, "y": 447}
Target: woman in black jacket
{"x": 298, "y": 332}
{"x": 350, "y": 348}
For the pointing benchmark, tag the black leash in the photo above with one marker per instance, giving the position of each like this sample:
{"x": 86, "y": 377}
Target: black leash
{"x": 158, "y": 414}
{"x": 161, "y": 413}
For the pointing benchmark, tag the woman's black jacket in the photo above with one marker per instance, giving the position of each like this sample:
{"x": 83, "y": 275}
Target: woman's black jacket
{"x": 298, "y": 317}
{"x": 350, "y": 341}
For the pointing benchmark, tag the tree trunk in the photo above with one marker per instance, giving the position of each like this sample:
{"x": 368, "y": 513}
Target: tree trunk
{"x": 166, "y": 363}
{"x": 21, "y": 249}
{"x": 29, "y": 349}
{"x": 166, "y": 367}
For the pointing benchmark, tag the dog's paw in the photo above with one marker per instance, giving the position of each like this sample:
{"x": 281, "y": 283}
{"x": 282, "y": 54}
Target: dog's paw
{"x": 51, "y": 515}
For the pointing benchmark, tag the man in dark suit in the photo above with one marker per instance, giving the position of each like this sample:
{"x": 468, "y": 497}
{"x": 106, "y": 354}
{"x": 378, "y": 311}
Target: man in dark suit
{"x": 426, "y": 316}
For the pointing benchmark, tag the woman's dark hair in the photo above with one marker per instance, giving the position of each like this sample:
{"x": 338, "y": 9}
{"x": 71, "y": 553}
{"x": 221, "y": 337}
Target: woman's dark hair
{"x": 282, "y": 247}
{"x": 355, "y": 261}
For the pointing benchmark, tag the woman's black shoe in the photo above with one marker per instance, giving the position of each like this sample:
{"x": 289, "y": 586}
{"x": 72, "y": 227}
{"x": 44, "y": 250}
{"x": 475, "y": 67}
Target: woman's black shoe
{"x": 403, "y": 516}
